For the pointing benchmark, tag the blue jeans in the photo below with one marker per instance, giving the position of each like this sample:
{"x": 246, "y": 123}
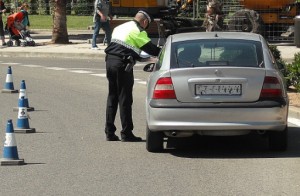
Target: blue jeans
{"x": 106, "y": 28}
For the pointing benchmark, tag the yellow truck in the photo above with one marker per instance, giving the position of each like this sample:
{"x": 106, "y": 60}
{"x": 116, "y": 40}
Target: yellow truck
{"x": 272, "y": 18}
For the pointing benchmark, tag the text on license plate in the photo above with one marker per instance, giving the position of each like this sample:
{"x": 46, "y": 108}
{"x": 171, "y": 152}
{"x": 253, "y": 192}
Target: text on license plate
{"x": 218, "y": 89}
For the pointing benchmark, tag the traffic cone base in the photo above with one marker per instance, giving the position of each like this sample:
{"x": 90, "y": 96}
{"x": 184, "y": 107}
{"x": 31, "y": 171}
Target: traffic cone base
{"x": 29, "y": 109}
{"x": 5, "y": 162}
{"x": 9, "y": 91}
{"x": 29, "y": 130}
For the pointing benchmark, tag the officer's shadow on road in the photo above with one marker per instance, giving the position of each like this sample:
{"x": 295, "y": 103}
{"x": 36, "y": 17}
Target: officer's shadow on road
{"x": 249, "y": 146}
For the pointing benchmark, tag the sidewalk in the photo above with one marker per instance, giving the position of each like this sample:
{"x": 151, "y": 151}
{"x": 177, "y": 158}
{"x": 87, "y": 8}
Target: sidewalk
{"x": 80, "y": 47}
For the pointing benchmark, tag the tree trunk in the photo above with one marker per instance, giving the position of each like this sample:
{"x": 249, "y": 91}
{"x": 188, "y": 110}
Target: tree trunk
{"x": 60, "y": 32}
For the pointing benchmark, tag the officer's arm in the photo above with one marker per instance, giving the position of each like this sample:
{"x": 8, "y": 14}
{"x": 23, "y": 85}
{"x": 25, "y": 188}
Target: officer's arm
{"x": 151, "y": 49}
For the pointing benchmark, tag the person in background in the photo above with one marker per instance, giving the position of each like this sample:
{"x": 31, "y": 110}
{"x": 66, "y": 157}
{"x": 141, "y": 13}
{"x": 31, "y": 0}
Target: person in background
{"x": 128, "y": 41}
{"x": 22, "y": 19}
{"x": 214, "y": 16}
{"x": 100, "y": 19}
{"x": 2, "y": 10}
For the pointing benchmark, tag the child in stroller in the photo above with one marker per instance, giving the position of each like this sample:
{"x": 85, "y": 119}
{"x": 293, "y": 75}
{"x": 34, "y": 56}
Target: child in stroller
{"x": 16, "y": 28}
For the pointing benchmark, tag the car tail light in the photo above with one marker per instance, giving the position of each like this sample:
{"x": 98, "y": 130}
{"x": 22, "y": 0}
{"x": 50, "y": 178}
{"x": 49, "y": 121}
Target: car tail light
{"x": 164, "y": 89}
{"x": 271, "y": 88}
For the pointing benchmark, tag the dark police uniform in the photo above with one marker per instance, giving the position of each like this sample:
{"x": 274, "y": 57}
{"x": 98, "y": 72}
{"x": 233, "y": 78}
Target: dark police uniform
{"x": 128, "y": 39}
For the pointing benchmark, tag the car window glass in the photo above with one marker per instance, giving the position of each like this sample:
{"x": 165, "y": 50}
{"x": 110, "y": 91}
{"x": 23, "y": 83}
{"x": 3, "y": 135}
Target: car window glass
{"x": 188, "y": 55}
{"x": 160, "y": 58}
{"x": 203, "y": 53}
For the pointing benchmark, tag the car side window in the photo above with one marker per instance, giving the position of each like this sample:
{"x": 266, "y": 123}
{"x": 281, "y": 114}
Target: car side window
{"x": 160, "y": 58}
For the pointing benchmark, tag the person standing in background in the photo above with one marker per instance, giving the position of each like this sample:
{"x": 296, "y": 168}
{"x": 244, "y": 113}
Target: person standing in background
{"x": 2, "y": 10}
{"x": 101, "y": 20}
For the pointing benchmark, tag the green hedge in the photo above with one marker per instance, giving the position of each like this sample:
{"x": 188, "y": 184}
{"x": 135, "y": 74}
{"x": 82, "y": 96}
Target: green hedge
{"x": 293, "y": 70}
{"x": 290, "y": 71}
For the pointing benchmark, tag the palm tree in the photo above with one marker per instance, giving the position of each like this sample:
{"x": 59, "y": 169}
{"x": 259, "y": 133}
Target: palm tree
{"x": 60, "y": 32}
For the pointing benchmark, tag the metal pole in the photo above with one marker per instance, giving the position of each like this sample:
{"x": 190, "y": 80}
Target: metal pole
{"x": 194, "y": 10}
{"x": 16, "y": 6}
{"x": 197, "y": 11}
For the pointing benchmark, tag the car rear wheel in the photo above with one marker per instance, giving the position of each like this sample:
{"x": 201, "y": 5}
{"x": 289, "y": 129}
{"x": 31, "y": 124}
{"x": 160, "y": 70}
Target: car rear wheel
{"x": 154, "y": 141}
{"x": 278, "y": 140}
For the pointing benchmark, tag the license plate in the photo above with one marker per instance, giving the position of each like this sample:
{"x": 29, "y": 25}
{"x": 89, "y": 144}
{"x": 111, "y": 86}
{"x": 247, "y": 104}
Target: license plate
{"x": 218, "y": 89}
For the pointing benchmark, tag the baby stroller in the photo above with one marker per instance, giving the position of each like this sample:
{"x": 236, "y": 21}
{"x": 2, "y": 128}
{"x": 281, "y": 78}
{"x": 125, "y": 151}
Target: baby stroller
{"x": 17, "y": 31}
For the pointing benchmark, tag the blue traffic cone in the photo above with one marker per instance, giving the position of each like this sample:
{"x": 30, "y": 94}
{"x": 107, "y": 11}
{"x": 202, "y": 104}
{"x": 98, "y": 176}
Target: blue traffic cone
{"x": 10, "y": 150}
{"x": 24, "y": 103}
{"x": 9, "y": 84}
{"x": 22, "y": 122}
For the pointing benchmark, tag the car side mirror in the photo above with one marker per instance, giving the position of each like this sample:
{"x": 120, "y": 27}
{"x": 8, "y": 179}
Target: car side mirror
{"x": 149, "y": 67}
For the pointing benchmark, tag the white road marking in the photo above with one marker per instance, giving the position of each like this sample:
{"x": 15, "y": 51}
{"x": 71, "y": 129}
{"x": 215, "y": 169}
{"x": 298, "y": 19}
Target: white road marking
{"x": 33, "y": 66}
{"x": 143, "y": 82}
{"x": 10, "y": 63}
{"x": 100, "y": 75}
{"x": 81, "y": 71}
{"x": 294, "y": 121}
{"x": 74, "y": 70}
{"x": 56, "y": 68}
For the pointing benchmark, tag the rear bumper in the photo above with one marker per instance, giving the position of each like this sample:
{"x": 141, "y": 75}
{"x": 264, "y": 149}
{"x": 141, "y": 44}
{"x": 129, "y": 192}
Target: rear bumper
{"x": 196, "y": 119}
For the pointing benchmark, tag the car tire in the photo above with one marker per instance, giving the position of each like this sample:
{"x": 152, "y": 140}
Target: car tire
{"x": 154, "y": 141}
{"x": 278, "y": 140}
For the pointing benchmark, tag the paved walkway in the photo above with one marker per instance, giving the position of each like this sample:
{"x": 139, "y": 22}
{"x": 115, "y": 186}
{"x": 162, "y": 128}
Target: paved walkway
{"x": 80, "y": 47}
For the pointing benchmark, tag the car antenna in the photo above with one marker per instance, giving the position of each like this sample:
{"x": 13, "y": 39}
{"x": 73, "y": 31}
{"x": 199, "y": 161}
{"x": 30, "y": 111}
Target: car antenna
{"x": 216, "y": 35}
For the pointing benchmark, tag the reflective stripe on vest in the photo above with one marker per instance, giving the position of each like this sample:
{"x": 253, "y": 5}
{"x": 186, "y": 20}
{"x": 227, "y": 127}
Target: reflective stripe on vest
{"x": 130, "y": 36}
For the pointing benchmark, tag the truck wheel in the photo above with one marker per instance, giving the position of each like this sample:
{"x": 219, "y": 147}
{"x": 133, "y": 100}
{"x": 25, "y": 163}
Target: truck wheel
{"x": 246, "y": 21}
{"x": 278, "y": 140}
{"x": 154, "y": 141}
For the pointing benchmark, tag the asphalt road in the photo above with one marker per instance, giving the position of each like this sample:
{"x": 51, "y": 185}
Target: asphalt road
{"x": 69, "y": 155}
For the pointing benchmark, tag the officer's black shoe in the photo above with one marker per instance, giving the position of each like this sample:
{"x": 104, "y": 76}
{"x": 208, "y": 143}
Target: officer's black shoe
{"x": 129, "y": 137}
{"x": 112, "y": 137}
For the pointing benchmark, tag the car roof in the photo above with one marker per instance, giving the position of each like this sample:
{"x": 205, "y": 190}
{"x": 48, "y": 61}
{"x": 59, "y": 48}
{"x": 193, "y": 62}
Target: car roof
{"x": 215, "y": 35}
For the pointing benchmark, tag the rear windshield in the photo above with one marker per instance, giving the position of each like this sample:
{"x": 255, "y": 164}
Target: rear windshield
{"x": 206, "y": 53}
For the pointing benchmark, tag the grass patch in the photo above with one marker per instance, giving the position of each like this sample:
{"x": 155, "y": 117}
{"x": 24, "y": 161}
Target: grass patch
{"x": 46, "y": 22}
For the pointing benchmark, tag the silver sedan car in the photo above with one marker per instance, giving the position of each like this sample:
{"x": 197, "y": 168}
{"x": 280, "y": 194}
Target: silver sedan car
{"x": 216, "y": 84}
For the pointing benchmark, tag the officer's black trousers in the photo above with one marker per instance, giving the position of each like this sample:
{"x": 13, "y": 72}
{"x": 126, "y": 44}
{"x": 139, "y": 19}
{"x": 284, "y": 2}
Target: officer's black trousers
{"x": 119, "y": 93}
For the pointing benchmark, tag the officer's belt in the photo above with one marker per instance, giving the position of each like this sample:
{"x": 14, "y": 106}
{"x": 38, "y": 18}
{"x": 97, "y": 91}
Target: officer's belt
{"x": 112, "y": 56}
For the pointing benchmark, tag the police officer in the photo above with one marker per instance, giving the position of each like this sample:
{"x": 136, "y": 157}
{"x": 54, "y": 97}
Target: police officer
{"x": 128, "y": 40}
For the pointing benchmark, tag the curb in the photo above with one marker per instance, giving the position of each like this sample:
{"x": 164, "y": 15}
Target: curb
{"x": 53, "y": 55}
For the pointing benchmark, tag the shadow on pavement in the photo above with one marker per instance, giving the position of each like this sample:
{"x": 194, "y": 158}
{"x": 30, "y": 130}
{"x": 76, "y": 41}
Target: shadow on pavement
{"x": 248, "y": 146}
